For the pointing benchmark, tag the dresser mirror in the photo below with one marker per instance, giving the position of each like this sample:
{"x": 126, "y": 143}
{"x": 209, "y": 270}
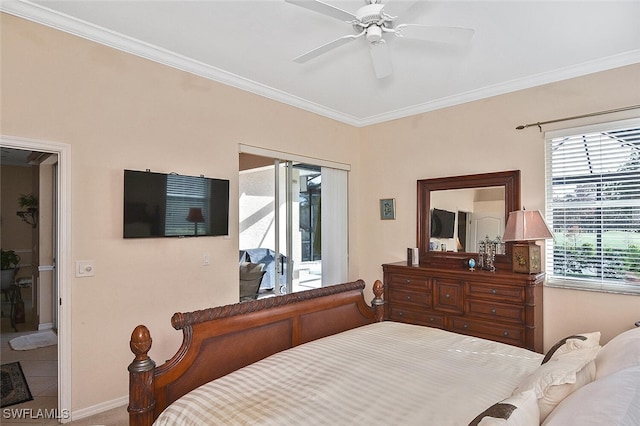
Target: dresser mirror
{"x": 455, "y": 213}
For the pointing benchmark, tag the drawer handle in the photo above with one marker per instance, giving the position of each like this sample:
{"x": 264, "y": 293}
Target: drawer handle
{"x": 400, "y": 314}
{"x": 447, "y": 296}
{"x": 465, "y": 326}
{"x": 493, "y": 311}
{"x": 407, "y": 281}
{"x": 494, "y": 291}
{"x": 408, "y": 297}
{"x": 432, "y": 319}
{"x": 505, "y": 333}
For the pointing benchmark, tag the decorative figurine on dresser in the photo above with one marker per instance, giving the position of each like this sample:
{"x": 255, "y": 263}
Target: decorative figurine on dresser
{"x": 449, "y": 291}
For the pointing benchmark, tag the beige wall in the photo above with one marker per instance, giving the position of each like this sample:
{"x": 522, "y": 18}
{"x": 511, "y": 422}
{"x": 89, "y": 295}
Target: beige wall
{"x": 480, "y": 137}
{"x": 119, "y": 111}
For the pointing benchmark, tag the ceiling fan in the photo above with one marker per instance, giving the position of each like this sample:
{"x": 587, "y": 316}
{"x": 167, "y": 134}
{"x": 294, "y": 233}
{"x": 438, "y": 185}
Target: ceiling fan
{"x": 372, "y": 22}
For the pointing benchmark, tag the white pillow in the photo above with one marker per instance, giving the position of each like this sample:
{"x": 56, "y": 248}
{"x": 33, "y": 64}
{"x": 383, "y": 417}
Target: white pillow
{"x": 570, "y": 343}
{"x": 620, "y": 352}
{"x": 560, "y": 376}
{"x": 613, "y": 401}
{"x": 556, "y": 394}
{"x": 517, "y": 410}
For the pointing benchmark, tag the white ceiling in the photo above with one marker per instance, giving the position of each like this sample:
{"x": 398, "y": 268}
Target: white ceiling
{"x": 251, "y": 44}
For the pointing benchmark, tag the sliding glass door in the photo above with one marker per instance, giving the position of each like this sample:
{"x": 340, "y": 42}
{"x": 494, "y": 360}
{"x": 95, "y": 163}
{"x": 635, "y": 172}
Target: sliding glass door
{"x": 293, "y": 218}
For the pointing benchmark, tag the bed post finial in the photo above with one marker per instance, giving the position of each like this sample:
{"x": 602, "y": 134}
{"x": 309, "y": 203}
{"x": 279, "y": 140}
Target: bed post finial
{"x": 378, "y": 302}
{"x": 141, "y": 400}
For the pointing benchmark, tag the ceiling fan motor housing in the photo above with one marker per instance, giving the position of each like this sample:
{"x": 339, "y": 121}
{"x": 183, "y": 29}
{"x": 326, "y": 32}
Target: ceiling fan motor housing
{"x": 370, "y": 17}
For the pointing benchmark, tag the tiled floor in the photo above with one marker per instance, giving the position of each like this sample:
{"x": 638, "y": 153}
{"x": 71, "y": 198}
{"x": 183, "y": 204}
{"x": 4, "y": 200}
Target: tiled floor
{"x": 40, "y": 367}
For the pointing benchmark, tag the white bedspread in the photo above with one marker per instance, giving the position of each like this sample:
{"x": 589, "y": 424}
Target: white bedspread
{"x": 381, "y": 374}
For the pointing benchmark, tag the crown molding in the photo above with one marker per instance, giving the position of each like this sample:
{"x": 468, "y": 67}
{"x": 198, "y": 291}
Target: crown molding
{"x": 59, "y": 21}
{"x": 71, "y": 25}
{"x": 579, "y": 70}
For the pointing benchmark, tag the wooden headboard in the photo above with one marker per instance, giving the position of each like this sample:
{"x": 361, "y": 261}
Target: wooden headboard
{"x": 220, "y": 340}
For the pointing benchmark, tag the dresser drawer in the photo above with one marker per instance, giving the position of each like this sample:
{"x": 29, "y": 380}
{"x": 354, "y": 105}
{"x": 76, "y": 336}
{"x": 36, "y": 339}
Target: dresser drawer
{"x": 410, "y": 280}
{"x": 495, "y": 292}
{"x": 410, "y": 295}
{"x": 404, "y": 314}
{"x": 512, "y": 335}
{"x": 496, "y": 311}
{"x": 448, "y": 295}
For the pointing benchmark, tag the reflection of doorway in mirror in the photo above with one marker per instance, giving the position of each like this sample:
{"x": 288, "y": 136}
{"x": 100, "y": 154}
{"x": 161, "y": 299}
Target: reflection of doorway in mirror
{"x": 485, "y": 225}
{"x": 464, "y": 222}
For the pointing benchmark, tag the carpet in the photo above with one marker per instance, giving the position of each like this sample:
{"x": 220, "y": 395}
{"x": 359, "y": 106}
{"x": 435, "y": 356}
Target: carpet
{"x": 14, "y": 386}
{"x": 34, "y": 341}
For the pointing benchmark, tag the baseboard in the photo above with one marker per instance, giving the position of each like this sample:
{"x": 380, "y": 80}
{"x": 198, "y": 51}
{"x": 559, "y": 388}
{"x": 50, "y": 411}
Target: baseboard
{"x": 45, "y": 326}
{"x": 100, "y": 408}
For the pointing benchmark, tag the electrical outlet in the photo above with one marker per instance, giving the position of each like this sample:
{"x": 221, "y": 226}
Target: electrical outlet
{"x": 85, "y": 268}
{"x": 206, "y": 259}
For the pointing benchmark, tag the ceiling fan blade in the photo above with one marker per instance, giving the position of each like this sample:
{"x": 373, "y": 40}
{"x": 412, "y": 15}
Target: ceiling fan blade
{"x": 381, "y": 59}
{"x": 326, "y": 47}
{"x": 325, "y": 9}
{"x": 455, "y": 35}
{"x": 397, "y": 7}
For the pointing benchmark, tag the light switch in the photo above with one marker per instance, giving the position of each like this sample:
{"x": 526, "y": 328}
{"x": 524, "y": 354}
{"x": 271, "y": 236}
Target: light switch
{"x": 85, "y": 268}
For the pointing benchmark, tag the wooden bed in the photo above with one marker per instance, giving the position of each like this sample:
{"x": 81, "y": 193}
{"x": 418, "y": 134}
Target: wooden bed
{"x": 220, "y": 340}
{"x": 325, "y": 356}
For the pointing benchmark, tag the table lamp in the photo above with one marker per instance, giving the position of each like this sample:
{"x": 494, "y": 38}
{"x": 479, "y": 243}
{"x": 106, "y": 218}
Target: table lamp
{"x": 524, "y": 228}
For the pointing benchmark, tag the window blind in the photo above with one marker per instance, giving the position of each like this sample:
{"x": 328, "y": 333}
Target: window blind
{"x": 183, "y": 193}
{"x": 335, "y": 226}
{"x": 593, "y": 207}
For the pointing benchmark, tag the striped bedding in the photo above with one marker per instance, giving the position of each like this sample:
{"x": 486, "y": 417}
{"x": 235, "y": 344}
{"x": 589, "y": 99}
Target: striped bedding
{"x": 381, "y": 374}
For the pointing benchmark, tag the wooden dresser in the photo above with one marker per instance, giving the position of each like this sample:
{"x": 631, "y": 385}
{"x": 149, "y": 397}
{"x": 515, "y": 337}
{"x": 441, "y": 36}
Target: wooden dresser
{"x": 501, "y": 306}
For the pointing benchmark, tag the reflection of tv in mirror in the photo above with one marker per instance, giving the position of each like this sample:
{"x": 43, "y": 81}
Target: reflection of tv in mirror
{"x": 442, "y": 223}
{"x": 171, "y": 205}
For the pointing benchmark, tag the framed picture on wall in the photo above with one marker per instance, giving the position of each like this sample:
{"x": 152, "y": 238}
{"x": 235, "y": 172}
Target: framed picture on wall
{"x": 387, "y": 208}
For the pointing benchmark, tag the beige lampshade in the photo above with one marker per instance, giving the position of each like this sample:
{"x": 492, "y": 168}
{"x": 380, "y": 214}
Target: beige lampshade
{"x": 195, "y": 215}
{"x": 526, "y": 225}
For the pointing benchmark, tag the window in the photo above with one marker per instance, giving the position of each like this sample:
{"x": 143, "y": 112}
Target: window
{"x": 593, "y": 207}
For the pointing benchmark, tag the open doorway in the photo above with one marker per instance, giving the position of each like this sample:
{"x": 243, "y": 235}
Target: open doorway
{"x": 41, "y": 171}
{"x": 29, "y": 315}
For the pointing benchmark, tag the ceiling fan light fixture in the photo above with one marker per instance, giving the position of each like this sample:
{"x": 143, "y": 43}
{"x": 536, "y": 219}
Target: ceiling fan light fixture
{"x": 374, "y": 33}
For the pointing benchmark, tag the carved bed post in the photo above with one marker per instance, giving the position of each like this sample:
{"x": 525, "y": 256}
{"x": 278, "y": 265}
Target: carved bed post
{"x": 378, "y": 302}
{"x": 141, "y": 400}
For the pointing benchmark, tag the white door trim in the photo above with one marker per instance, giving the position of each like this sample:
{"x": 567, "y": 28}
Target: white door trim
{"x": 296, "y": 158}
{"x": 63, "y": 261}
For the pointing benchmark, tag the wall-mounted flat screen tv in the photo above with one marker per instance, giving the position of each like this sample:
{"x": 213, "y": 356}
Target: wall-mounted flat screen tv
{"x": 442, "y": 223}
{"x": 172, "y": 205}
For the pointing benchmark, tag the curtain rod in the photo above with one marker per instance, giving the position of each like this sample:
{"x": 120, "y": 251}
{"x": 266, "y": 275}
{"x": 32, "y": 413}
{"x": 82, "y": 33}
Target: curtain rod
{"x": 593, "y": 114}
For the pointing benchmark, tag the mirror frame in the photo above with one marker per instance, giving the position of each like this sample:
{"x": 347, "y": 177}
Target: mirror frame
{"x": 510, "y": 180}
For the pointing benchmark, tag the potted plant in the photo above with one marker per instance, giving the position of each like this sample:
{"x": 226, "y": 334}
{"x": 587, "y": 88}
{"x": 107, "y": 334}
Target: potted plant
{"x": 29, "y": 203}
{"x": 9, "y": 261}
